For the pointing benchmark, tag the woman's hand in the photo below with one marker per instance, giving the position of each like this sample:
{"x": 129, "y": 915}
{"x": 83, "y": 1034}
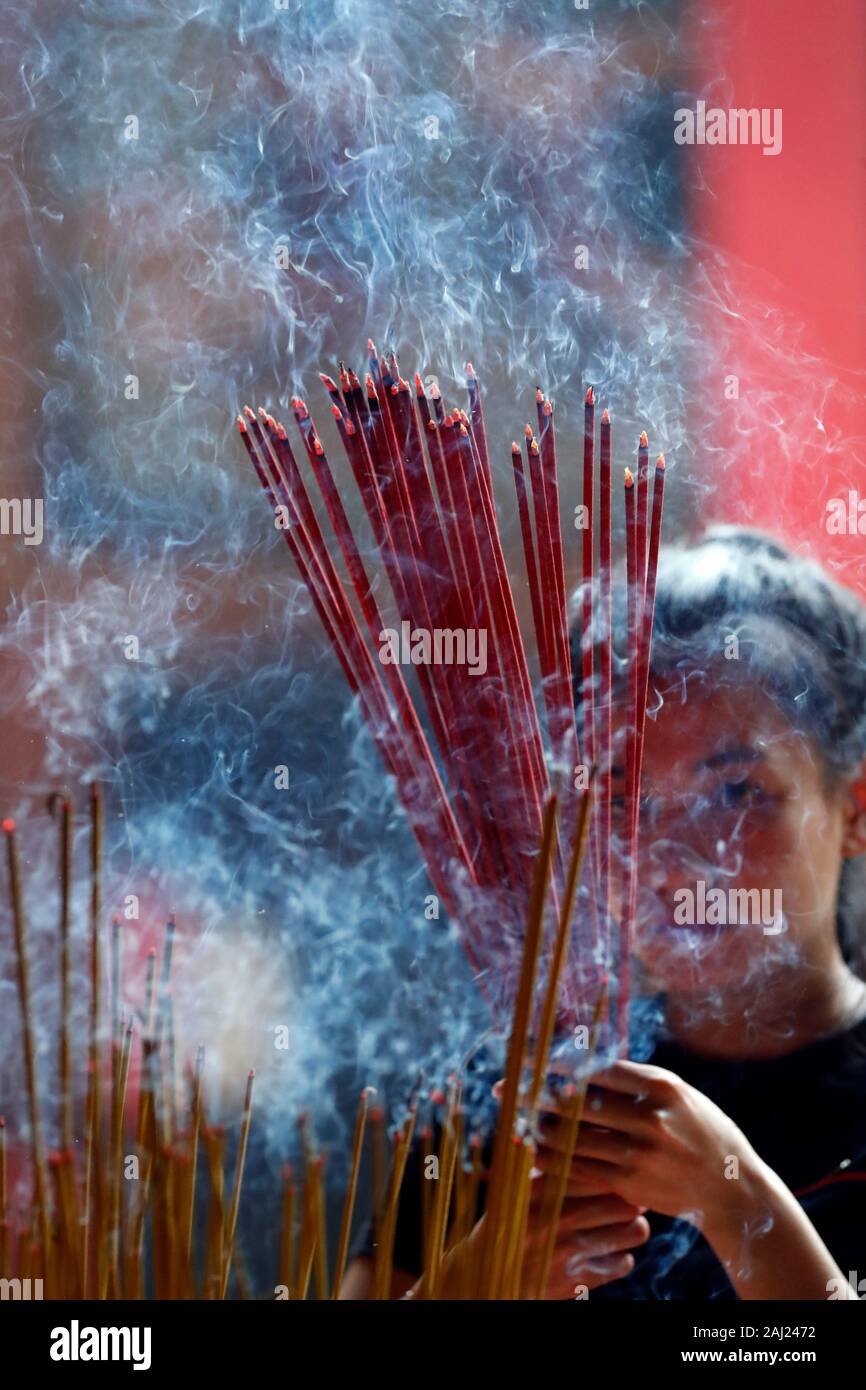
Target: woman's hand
{"x": 595, "y": 1233}
{"x": 593, "y": 1240}
{"x": 656, "y": 1142}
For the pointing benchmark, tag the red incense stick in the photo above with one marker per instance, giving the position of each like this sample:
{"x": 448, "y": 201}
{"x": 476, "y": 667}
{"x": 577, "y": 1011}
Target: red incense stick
{"x": 603, "y": 718}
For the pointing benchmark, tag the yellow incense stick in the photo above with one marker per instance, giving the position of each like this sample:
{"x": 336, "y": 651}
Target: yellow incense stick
{"x": 351, "y": 1191}
{"x": 500, "y": 1168}
{"x": 556, "y": 1184}
{"x": 23, "y": 971}
{"x": 234, "y": 1206}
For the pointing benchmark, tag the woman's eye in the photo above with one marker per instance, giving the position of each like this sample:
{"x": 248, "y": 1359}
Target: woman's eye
{"x": 732, "y": 795}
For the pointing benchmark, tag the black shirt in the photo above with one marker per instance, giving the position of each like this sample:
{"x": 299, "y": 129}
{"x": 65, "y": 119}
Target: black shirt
{"x": 804, "y": 1114}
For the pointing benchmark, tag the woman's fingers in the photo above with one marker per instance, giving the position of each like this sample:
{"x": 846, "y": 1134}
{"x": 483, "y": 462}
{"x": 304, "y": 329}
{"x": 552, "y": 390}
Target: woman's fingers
{"x": 588, "y": 1213}
{"x": 594, "y": 1174}
{"x": 592, "y": 1254}
{"x": 607, "y": 1145}
{"x": 606, "y": 1240}
{"x": 631, "y": 1113}
{"x": 604, "y": 1270}
{"x": 636, "y": 1079}
{"x": 562, "y": 1283}
{"x": 546, "y": 1162}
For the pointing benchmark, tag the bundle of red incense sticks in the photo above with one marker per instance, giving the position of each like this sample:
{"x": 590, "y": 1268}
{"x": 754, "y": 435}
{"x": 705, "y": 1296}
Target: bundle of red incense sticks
{"x": 472, "y": 746}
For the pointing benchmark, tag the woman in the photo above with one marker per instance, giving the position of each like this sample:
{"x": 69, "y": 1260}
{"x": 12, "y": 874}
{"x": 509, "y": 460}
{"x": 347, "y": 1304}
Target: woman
{"x": 734, "y": 1162}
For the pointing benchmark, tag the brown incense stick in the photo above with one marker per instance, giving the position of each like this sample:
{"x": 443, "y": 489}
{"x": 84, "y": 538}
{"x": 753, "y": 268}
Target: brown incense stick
{"x": 502, "y": 1155}
{"x": 351, "y": 1190}
{"x": 556, "y": 1184}
{"x": 94, "y": 1177}
{"x": 231, "y": 1233}
{"x": 195, "y": 1111}
{"x": 62, "y": 802}
{"x": 285, "y": 1265}
{"x": 23, "y": 973}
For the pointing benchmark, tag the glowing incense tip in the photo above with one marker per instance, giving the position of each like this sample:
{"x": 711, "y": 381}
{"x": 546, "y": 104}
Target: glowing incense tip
{"x": 394, "y": 389}
{"x": 629, "y": 478}
{"x": 539, "y": 394}
{"x": 353, "y": 379}
{"x": 371, "y": 348}
{"x": 350, "y": 427}
{"x": 344, "y": 377}
{"x": 515, "y": 447}
{"x": 605, "y": 416}
{"x": 660, "y": 462}
{"x": 371, "y": 386}
{"x": 419, "y": 385}
{"x": 337, "y": 412}
{"x": 328, "y": 382}
{"x": 590, "y": 398}
{"x": 533, "y": 448}
{"x": 435, "y": 392}
{"x": 281, "y": 430}
{"x": 548, "y": 408}
{"x": 449, "y": 419}
{"x": 464, "y": 417}
{"x": 463, "y": 429}
{"x": 9, "y": 826}
{"x": 241, "y": 424}
{"x": 250, "y": 414}
{"x": 527, "y": 430}
{"x": 470, "y": 371}
{"x": 317, "y": 445}
{"x": 644, "y": 442}
{"x": 431, "y": 424}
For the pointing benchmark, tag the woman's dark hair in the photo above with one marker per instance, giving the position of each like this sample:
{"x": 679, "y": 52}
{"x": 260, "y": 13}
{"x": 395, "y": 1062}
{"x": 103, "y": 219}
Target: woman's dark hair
{"x": 793, "y": 631}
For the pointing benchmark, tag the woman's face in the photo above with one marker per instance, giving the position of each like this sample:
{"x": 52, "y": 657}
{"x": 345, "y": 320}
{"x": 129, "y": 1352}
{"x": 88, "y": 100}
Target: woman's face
{"x": 733, "y": 799}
